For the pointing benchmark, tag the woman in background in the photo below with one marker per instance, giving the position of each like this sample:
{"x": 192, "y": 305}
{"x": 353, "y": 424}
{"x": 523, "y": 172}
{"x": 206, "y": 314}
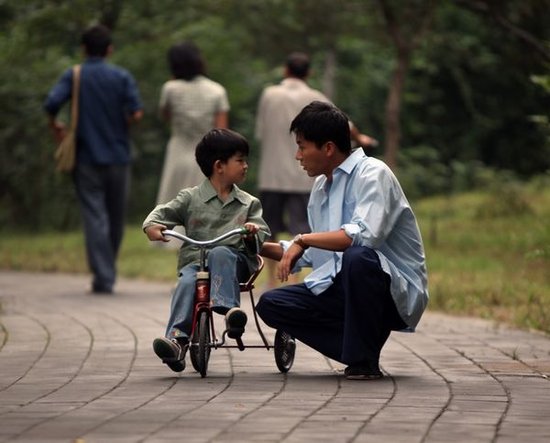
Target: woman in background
{"x": 193, "y": 104}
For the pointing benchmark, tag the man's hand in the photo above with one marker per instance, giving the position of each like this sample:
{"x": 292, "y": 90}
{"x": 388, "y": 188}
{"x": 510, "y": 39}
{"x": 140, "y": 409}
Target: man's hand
{"x": 135, "y": 117}
{"x": 154, "y": 233}
{"x": 288, "y": 260}
{"x": 367, "y": 142}
{"x": 58, "y": 129}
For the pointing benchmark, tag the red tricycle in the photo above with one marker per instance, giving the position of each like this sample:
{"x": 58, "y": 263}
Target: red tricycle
{"x": 203, "y": 334}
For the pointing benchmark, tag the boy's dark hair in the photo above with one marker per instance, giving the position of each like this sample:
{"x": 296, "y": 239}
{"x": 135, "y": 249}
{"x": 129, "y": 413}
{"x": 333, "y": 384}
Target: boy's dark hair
{"x": 321, "y": 122}
{"x": 96, "y": 40}
{"x": 297, "y": 64}
{"x": 219, "y": 144}
{"x": 185, "y": 61}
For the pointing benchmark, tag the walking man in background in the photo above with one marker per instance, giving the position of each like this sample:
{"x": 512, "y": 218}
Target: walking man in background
{"x": 284, "y": 188}
{"x": 108, "y": 101}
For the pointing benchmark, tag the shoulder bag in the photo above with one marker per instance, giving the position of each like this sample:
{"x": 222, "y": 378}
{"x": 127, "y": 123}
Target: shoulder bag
{"x": 65, "y": 153}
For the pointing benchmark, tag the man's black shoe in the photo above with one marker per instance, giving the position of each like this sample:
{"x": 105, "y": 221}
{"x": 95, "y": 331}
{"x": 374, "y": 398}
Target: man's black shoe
{"x": 362, "y": 372}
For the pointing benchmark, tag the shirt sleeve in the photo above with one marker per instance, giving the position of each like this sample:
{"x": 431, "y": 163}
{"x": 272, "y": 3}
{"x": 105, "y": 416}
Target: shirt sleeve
{"x": 223, "y": 105}
{"x": 376, "y": 210}
{"x": 170, "y": 214}
{"x": 133, "y": 99}
{"x": 255, "y": 216}
{"x": 60, "y": 93}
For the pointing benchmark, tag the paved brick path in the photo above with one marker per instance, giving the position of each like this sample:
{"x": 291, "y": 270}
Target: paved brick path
{"x": 80, "y": 368}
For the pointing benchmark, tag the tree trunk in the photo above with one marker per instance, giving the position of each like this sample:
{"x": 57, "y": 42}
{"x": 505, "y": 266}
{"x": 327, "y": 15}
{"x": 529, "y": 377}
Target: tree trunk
{"x": 406, "y": 33}
{"x": 393, "y": 110}
{"x": 329, "y": 74}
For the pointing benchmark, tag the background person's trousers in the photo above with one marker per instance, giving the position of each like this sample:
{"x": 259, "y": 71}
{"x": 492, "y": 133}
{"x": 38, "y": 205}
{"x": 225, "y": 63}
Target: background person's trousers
{"x": 102, "y": 192}
{"x": 350, "y": 321}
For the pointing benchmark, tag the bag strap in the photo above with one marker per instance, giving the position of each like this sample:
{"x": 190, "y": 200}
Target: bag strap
{"x": 75, "y": 93}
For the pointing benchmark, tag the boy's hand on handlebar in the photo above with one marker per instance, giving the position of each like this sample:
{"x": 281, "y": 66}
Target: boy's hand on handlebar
{"x": 155, "y": 233}
{"x": 252, "y": 229}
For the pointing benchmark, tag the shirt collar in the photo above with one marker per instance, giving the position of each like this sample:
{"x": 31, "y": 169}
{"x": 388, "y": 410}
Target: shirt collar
{"x": 293, "y": 82}
{"x": 94, "y": 59}
{"x": 207, "y": 192}
{"x": 348, "y": 165}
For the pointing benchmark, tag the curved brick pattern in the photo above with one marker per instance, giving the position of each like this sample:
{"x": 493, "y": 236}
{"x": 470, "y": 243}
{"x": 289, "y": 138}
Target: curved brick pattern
{"x": 80, "y": 368}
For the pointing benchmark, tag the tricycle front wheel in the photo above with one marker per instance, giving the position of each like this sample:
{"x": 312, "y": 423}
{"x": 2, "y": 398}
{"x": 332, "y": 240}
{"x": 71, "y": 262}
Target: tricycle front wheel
{"x": 200, "y": 344}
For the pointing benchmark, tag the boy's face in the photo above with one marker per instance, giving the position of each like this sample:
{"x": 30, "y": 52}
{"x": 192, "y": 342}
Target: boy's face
{"x": 235, "y": 168}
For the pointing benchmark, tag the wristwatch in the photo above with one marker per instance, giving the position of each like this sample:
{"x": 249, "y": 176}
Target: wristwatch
{"x": 299, "y": 240}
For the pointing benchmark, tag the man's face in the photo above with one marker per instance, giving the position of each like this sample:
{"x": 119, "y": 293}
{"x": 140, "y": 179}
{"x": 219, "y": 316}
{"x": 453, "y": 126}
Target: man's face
{"x": 312, "y": 159}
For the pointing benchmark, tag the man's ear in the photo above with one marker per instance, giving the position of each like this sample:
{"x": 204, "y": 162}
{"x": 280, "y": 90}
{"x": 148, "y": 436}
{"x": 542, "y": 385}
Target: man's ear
{"x": 330, "y": 148}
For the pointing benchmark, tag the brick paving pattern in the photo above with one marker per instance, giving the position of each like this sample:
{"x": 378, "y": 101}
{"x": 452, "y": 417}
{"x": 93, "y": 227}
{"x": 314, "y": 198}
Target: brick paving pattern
{"x": 80, "y": 368}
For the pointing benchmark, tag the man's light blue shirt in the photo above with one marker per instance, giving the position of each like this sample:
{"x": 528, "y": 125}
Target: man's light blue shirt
{"x": 367, "y": 202}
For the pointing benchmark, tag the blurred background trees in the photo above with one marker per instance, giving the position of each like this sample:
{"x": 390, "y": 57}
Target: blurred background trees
{"x": 452, "y": 89}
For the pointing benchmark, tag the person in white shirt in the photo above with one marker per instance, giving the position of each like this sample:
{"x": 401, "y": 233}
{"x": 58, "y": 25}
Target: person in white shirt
{"x": 193, "y": 104}
{"x": 284, "y": 188}
{"x": 369, "y": 270}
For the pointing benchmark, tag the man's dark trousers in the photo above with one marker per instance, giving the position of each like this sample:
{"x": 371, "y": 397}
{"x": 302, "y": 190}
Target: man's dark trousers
{"x": 102, "y": 193}
{"x": 350, "y": 321}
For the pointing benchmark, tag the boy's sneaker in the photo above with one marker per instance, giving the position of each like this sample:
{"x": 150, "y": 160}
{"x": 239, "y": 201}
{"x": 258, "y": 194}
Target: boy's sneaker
{"x": 363, "y": 372}
{"x": 171, "y": 352}
{"x": 235, "y": 321}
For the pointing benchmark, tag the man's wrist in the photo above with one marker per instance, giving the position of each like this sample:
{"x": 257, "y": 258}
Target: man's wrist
{"x": 299, "y": 240}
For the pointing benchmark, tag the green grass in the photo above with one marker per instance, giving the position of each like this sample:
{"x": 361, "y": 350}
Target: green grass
{"x": 493, "y": 266}
{"x": 56, "y": 252}
{"x": 483, "y": 258}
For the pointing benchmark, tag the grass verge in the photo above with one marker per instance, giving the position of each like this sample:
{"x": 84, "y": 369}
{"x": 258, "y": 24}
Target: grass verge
{"x": 485, "y": 259}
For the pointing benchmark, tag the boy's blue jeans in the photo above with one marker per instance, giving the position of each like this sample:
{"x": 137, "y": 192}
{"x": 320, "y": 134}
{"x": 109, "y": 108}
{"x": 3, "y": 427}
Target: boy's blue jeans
{"x": 227, "y": 268}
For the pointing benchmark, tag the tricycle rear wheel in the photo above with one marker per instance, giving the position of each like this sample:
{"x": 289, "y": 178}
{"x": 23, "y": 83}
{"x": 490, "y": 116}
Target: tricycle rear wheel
{"x": 284, "y": 349}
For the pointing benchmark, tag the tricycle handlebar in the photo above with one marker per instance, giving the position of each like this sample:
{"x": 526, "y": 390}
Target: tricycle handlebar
{"x": 236, "y": 231}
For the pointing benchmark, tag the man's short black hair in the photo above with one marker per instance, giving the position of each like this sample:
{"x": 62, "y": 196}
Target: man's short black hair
{"x": 321, "y": 122}
{"x": 96, "y": 40}
{"x": 298, "y": 64}
{"x": 219, "y": 144}
{"x": 186, "y": 61}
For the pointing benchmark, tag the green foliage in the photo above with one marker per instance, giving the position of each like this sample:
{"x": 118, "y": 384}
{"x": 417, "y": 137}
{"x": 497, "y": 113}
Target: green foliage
{"x": 507, "y": 198}
{"x": 422, "y": 173}
{"x": 56, "y": 252}
{"x": 469, "y": 100}
{"x": 542, "y": 120}
{"x": 468, "y": 112}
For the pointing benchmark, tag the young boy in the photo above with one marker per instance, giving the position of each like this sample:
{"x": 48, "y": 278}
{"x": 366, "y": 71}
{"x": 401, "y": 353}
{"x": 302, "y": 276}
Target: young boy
{"x": 207, "y": 211}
